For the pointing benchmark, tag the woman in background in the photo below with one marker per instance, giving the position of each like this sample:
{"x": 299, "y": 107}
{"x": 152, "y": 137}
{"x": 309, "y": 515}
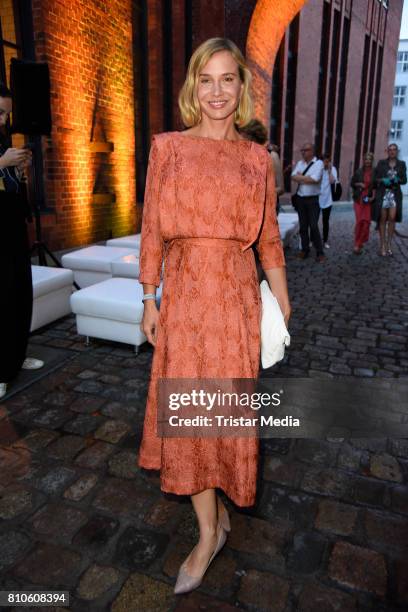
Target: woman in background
{"x": 257, "y": 132}
{"x": 391, "y": 173}
{"x": 363, "y": 186}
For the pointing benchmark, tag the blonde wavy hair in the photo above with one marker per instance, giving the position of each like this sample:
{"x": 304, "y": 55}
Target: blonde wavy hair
{"x": 188, "y": 100}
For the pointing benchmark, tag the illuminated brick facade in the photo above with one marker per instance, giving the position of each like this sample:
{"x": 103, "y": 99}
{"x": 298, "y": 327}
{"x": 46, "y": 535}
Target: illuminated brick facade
{"x": 89, "y": 169}
{"x": 116, "y": 68}
{"x": 331, "y": 83}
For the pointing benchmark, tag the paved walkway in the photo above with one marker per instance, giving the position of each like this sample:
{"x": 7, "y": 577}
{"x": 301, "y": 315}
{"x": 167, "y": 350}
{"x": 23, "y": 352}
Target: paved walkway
{"x": 329, "y": 531}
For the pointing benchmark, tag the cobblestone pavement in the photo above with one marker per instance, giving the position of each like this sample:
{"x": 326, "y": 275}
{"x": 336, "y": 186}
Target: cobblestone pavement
{"x": 329, "y": 531}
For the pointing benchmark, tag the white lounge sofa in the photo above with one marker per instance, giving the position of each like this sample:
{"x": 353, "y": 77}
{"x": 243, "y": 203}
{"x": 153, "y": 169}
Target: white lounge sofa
{"x": 111, "y": 310}
{"x": 93, "y": 264}
{"x": 126, "y": 266}
{"x": 128, "y": 242}
{"x": 52, "y": 288}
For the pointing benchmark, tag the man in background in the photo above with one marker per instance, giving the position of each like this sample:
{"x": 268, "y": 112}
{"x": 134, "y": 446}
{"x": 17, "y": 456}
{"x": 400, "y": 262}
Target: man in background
{"x": 308, "y": 174}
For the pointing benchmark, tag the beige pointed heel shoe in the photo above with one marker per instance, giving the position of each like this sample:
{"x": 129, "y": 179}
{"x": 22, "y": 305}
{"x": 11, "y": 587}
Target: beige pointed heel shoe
{"x": 186, "y": 583}
{"x": 224, "y": 520}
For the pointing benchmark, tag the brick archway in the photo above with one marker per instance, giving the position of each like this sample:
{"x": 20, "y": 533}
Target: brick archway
{"x": 268, "y": 24}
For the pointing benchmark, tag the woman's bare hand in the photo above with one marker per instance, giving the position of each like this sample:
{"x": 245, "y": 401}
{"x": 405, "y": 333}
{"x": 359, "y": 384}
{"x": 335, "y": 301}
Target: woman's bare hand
{"x": 277, "y": 282}
{"x": 287, "y": 311}
{"x": 150, "y": 321}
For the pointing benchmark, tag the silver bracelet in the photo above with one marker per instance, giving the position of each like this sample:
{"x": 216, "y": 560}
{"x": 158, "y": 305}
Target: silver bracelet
{"x": 148, "y": 296}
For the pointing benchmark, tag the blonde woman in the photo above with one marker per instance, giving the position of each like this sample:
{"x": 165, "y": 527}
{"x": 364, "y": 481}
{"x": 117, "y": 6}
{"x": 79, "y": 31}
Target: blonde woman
{"x": 391, "y": 173}
{"x": 210, "y": 195}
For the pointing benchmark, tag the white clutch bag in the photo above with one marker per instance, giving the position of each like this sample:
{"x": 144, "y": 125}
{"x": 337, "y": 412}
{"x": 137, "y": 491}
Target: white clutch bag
{"x": 274, "y": 334}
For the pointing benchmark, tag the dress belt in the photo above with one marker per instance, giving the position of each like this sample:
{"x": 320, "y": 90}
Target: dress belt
{"x": 216, "y": 242}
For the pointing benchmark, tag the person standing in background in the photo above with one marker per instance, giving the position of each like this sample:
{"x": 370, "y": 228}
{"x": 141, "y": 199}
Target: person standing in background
{"x": 391, "y": 173}
{"x": 257, "y": 132}
{"x": 308, "y": 176}
{"x": 329, "y": 178}
{"x": 277, "y": 166}
{"x": 16, "y": 296}
{"x": 363, "y": 186}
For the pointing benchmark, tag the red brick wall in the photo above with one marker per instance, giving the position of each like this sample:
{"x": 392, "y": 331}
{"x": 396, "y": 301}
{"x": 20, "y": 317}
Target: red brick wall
{"x": 88, "y": 46}
{"x": 353, "y": 88}
{"x": 310, "y": 28}
{"x": 364, "y": 21}
{"x": 388, "y": 77}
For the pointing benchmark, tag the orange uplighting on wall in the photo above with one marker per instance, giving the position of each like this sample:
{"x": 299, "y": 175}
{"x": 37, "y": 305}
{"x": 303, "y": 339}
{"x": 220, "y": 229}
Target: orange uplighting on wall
{"x": 89, "y": 161}
{"x": 268, "y": 24}
{"x": 120, "y": 130}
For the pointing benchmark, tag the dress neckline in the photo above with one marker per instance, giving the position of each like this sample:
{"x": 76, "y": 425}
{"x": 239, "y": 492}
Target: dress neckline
{"x": 210, "y": 139}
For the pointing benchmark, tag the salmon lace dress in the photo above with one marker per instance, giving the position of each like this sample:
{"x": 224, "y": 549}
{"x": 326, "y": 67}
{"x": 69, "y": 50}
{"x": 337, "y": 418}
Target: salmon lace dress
{"x": 206, "y": 202}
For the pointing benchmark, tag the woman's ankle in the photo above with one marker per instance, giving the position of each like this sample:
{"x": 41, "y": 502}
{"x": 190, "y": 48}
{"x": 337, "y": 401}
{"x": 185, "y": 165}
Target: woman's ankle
{"x": 208, "y": 532}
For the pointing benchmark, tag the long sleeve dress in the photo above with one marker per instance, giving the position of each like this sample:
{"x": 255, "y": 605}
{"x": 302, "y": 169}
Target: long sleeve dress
{"x": 207, "y": 201}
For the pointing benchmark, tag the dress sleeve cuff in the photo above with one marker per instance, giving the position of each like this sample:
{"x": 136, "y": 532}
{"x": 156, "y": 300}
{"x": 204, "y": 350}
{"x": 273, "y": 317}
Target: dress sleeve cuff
{"x": 149, "y": 279}
{"x": 271, "y": 254}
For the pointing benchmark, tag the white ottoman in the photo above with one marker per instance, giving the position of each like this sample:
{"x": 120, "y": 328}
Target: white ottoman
{"x": 111, "y": 310}
{"x": 52, "y": 288}
{"x": 131, "y": 242}
{"x": 288, "y": 217}
{"x": 93, "y": 264}
{"x": 288, "y": 225}
{"x": 126, "y": 266}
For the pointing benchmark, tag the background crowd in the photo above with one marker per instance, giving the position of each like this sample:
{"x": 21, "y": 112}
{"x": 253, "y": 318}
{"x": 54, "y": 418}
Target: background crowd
{"x": 376, "y": 194}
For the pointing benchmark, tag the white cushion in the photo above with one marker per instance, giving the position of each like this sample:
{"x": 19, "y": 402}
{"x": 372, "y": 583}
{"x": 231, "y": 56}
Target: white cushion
{"x": 288, "y": 225}
{"x": 106, "y": 329}
{"x": 293, "y": 217}
{"x": 287, "y": 222}
{"x": 52, "y": 289}
{"x": 126, "y": 266}
{"x": 84, "y": 278}
{"x": 118, "y": 299}
{"x": 47, "y": 280}
{"x": 284, "y": 225}
{"x": 95, "y": 258}
{"x": 131, "y": 242}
